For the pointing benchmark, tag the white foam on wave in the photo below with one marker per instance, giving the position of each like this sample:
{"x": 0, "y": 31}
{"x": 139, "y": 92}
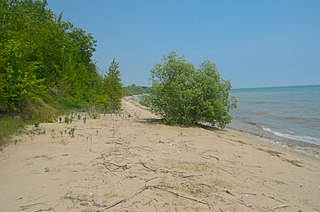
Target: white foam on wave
{"x": 293, "y": 137}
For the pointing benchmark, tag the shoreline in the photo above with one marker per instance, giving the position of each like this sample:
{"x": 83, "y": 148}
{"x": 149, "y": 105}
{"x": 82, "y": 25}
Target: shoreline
{"x": 130, "y": 161}
{"x": 304, "y": 147}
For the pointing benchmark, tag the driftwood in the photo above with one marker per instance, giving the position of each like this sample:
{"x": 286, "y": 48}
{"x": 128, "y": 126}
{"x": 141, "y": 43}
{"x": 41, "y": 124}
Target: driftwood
{"x": 279, "y": 207}
{"x": 46, "y": 209}
{"x": 144, "y": 189}
{"x": 123, "y": 200}
{"x": 147, "y": 167}
{"x": 191, "y": 175}
{"x": 24, "y": 207}
{"x": 179, "y": 195}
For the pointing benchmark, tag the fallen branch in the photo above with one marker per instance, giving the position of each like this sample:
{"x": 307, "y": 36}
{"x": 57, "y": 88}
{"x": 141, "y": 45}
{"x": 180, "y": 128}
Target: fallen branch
{"x": 147, "y": 167}
{"x": 279, "y": 207}
{"x": 151, "y": 179}
{"x": 46, "y": 209}
{"x": 228, "y": 192}
{"x": 191, "y": 175}
{"x": 123, "y": 167}
{"x": 123, "y": 200}
{"x": 153, "y": 187}
{"x": 24, "y": 207}
{"x": 180, "y": 195}
{"x": 210, "y": 156}
{"x": 248, "y": 193}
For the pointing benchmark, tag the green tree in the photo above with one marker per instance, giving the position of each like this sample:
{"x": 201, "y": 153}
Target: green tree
{"x": 184, "y": 94}
{"x": 18, "y": 80}
{"x": 112, "y": 87}
{"x": 39, "y": 47}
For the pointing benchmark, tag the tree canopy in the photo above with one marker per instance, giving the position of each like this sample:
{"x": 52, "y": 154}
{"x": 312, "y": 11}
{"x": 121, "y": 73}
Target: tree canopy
{"x": 184, "y": 94}
{"x": 112, "y": 86}
{"x": 42, "y": 55}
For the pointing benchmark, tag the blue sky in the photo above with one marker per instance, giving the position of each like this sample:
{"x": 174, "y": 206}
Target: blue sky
{"x": 254, "y": 43}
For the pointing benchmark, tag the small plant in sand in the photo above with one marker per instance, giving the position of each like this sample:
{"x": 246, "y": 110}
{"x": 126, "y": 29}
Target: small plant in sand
{"x": 79, "y": 116}
{"x": 71, "y": 132}
{"x": 95, "y": 116}
{"x": 51, "y": 118}
{"x": 67, "y": 120}
{"x": 53, "y": 133}
{"x": 84, "y": 119}
{"x": 36, "y": 124}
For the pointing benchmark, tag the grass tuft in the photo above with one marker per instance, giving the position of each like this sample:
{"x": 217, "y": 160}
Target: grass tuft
{"x": 10, "y": 125}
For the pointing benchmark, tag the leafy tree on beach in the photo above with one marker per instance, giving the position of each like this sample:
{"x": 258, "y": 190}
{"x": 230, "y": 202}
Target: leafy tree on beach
{"x": 112, "y": 87}
{"x": 183, "y": 94}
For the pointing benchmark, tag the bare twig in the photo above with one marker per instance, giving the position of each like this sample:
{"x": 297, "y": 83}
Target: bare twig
{"x": 46, "y": 209}
{"x": 191, "y": 175}
{"x": 209, "y": 157}
{"x": 147, "y": 167}
{"x": 153, "y": 187}
{"x": 151, "y": 179}
{"x": 24, "y": 207}
{"x": 123, "y": 167}
{"x": 279, "y": 207}
{"x": 123, "y": 200}
{"x": 228, "y": 192}
{"x": 180, "y": 195}
{"x": 248, "y": 193}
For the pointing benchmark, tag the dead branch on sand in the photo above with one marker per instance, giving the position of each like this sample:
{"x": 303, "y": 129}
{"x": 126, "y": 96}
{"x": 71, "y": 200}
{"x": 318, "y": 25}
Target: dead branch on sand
{"x": 147, "y": 167}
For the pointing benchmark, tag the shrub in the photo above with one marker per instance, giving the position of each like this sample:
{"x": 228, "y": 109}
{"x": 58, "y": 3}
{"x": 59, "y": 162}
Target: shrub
{"x": 95, "y": 116}
{"x": 183, "y": 94}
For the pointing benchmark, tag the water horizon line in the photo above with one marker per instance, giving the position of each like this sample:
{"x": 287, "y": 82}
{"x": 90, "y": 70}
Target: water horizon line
{"x": 281, "y": 86}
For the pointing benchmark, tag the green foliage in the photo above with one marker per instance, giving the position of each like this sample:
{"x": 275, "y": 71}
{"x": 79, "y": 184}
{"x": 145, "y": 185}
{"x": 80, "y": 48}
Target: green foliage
{"x": 36, "y": 124}
{"x": 46, "y": 65}
{"x": 134, "y": 90}
{"x": 67, "y": 120}
{"x": 71, "y": 132}
{"x": 95, "y": 116}
{"x": 40, "y": 55}
{"x": 52, "y": 118}
{"x": 9, "y": 125}
{"x": 18, "y": 80}
{"x": 184, "y": 94}
{"x": 112, "y": 88}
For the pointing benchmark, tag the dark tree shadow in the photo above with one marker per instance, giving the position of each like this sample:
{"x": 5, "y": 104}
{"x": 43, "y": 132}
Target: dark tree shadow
{"x": 208, "y": 127}
{"x": 156, "y": 121}
{"x": 151, "y": 121}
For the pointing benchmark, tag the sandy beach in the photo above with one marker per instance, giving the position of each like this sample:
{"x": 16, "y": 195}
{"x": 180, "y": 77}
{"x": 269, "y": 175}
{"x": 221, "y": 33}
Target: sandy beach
{"x": 132, "y": 162}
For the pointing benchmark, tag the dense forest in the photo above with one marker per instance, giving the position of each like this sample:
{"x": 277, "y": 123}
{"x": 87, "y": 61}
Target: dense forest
{"x": 46, "y": 68}
{"x": 47, "y": 61}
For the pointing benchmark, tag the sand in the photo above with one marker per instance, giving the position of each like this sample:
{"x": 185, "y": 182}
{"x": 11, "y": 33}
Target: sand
{"x": 132, "y": 162}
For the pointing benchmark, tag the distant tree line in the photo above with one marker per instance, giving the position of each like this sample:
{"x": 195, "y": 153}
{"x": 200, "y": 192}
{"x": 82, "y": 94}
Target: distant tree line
{"x": 44, "y": 58}
{"x": 134, "y": 90}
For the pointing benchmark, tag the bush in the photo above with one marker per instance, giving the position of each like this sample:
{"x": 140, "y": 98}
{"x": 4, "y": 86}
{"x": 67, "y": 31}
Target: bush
{"x": 183, "y": 94}
{"x": 95, "y": 116}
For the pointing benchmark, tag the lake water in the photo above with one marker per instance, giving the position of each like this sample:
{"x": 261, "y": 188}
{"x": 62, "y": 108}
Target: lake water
{"x": 286, "y": 112}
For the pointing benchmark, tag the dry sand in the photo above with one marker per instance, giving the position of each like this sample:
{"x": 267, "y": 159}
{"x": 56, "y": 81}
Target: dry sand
{"x": 131, "y": 162}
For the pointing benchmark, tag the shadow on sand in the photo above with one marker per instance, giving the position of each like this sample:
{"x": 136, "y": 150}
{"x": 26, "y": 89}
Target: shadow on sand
{"x": 156, "y": 121}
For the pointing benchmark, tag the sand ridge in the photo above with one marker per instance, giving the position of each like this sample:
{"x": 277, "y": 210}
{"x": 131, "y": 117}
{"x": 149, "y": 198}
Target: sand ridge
{"x": 132, "y": 162}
